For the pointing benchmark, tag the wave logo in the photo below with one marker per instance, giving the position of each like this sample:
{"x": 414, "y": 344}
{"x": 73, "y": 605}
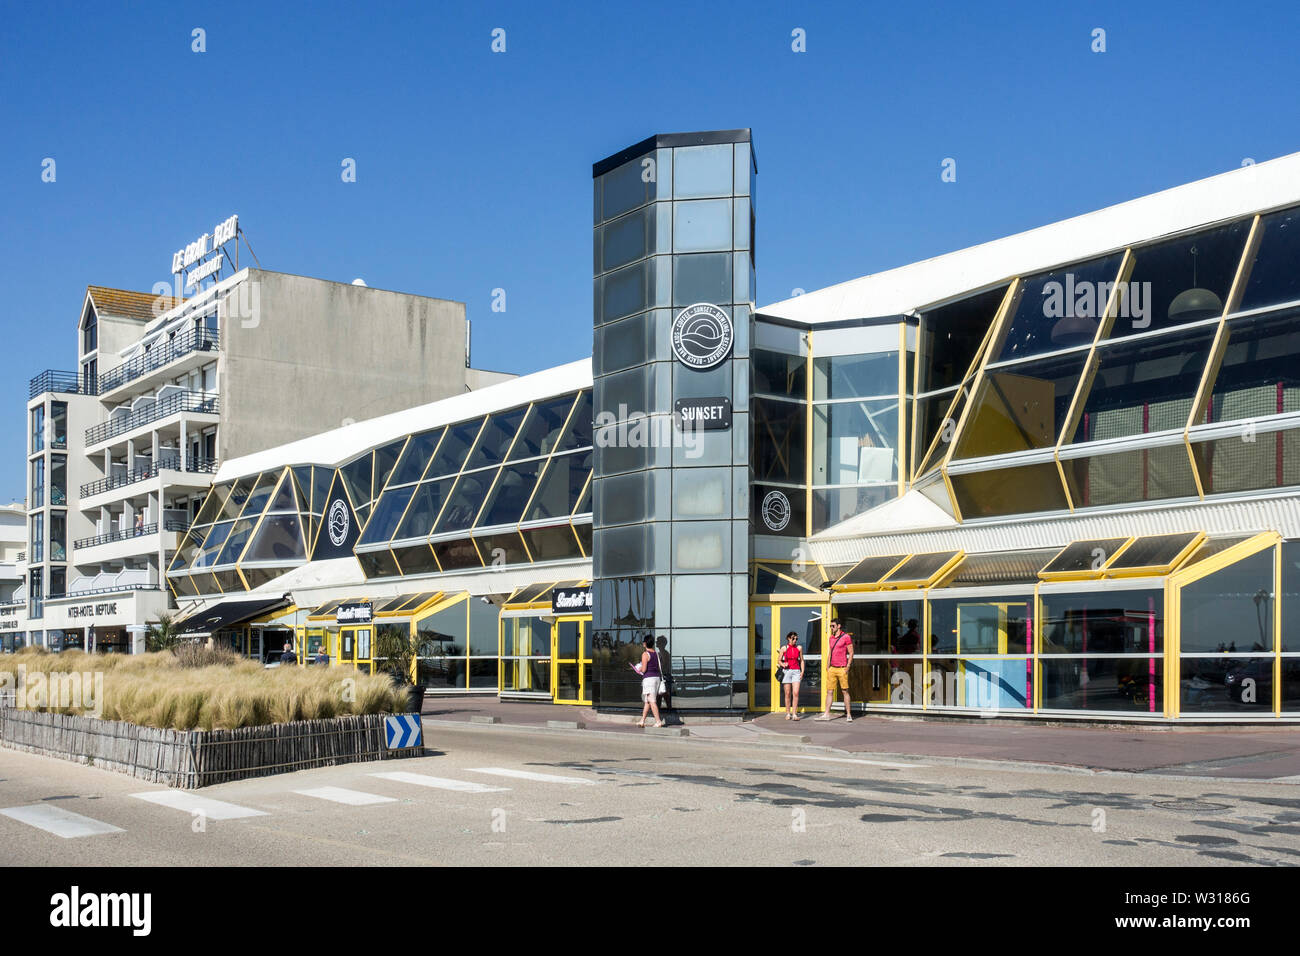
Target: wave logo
{"x": 702, "y": 336}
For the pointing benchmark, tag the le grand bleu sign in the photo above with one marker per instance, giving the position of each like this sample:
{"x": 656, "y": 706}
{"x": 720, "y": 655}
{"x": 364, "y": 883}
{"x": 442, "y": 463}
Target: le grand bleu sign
{"x": 197, "y": 252}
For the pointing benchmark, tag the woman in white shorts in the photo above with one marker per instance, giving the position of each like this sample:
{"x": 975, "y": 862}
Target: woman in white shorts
{"x": 791, "y": 674}
{"x": 651, "y": 675}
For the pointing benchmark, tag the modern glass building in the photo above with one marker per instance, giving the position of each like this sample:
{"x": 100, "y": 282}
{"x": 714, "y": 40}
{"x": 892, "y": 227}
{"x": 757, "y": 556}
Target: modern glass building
{"x": 1057, "y": 474}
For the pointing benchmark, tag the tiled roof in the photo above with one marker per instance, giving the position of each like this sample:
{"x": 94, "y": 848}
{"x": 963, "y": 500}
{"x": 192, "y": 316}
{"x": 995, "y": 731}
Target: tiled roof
{"x": 132, "y": 305}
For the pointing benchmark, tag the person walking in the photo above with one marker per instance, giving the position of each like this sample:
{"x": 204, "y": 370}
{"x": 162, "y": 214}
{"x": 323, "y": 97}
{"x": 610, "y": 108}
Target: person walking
{"x": 651, "y": 680}
{"x": 841, "y": 658}
{"x": 792, "y": 664}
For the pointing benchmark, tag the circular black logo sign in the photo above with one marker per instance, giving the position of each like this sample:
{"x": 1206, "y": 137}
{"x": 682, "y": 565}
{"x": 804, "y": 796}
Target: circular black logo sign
{"x": 702, "y": 336}
{"x": 340, "y": 522}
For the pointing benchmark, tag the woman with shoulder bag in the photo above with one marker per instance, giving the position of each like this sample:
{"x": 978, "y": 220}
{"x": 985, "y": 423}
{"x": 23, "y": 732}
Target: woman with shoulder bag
{"x": 792, "y": 664}
{"x": 652, "y": 683}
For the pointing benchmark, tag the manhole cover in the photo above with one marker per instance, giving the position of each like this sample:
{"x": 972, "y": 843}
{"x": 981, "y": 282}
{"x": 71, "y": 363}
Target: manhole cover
{"x": 1192, "y": 806}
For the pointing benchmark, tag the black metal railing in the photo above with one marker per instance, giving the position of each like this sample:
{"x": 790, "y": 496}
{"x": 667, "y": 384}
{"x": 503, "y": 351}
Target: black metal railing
{"x": 136, "y": 531}
{"x": 114, "y": 589}
{"x": 164, "y": 353}
{"x": 178, "y": 402}
{"x": 54, "y": 381}
{"x": 172, "y": 462}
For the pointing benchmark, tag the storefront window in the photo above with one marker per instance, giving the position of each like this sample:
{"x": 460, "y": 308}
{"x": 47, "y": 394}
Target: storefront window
{"x": 1227, "y": 639}
{"x": 526, "y": 655}
{"x": 1103, "y": 651}
{"x": 442, "y": 642}
{"x": 887, "y": 650}
{"x": 980, "y": 653}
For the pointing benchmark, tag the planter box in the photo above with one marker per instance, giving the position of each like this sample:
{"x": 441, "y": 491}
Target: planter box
{"x": 198, "y": 758}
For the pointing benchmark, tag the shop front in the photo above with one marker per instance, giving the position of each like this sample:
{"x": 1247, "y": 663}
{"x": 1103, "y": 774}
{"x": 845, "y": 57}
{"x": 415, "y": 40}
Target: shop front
{"x": 546, "y": 647}
{"x": 103, "y": 623}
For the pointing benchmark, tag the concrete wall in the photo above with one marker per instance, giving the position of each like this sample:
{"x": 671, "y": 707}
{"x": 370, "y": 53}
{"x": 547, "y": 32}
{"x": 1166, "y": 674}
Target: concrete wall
{"x": 313, "y": 354}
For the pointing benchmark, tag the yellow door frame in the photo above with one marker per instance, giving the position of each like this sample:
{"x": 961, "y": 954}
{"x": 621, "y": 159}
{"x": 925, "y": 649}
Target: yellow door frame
{"x": 584, "y": 643}
{"x": 777, "y": 641}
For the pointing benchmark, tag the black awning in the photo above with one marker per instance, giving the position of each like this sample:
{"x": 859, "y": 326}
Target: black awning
{"x": 228, "y": 614}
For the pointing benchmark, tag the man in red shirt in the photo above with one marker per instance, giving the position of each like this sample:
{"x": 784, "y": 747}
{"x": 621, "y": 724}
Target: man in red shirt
{"x": 841, "y": 658}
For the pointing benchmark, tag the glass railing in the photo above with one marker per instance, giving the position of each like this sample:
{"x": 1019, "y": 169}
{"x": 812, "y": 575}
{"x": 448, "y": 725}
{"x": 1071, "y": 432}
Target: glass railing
{"x": 172, "y": 404}
{"x": 191, "y": 340}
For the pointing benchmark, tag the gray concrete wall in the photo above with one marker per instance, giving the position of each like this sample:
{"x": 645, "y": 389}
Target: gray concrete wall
{"x": 314, "y": 354}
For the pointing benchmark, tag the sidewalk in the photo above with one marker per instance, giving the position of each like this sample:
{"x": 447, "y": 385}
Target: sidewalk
{"x": 1252, "y": 753}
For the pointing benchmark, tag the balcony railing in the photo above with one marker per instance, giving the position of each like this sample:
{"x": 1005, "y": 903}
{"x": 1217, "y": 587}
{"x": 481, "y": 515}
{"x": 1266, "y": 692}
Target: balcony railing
{"x": 172, "y": 462}
{"x": 54, "y": 381}
{"x": 114, "y": 589}
{"x": 191, "y": 340}
{"x": 128, "y": 533}
{"x": 178, "y": 402}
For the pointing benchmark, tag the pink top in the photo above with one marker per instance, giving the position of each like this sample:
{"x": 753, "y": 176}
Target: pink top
{"x": 840, "y": 649}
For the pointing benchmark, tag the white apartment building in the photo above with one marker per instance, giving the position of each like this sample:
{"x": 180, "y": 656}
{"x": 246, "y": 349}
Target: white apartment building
{"x": 121, "y": 452}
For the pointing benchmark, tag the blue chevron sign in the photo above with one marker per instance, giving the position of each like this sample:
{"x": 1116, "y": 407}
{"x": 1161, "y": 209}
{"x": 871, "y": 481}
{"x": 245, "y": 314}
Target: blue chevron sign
{"x": 402, "y": 731}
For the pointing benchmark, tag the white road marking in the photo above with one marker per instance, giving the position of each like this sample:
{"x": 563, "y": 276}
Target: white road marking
{"x": 192, "y": 803}
{"x": 60, "y": 822}
{"x": 353, "y": 798}
{"x": 874, "y": 763}
{"x": 531, "y": 775}
{"x": 438, "y": 783}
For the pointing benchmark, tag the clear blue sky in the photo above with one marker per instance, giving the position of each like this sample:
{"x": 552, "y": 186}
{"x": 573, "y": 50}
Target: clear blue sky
{"x": 473, "y": 168}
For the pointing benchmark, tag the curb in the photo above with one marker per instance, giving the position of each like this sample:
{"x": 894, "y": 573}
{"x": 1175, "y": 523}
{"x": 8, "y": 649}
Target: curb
{"x": 791, "y": 744}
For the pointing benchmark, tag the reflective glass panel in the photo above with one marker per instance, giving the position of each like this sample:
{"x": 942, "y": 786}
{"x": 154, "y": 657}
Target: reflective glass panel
{"x": 1146, "y": 474}
{"x": 495, "y": 441}
{"x": 385, "y": 458}
{"x": 1080, "y": 556}
{"x": 855, "y": 376}
{"x": 505, "y": 548}
{"x": 779, "y": 436}
{"x": 1231, "y": 610}
{"x": 505, "y": 503}
{"x": 1008, "y": 491}
{"x": 464, "y": 501}
{"x": 702, "y": 171}
{"x": 1104, "y": 622}
{"x": 541, "y": 431}
{"x": 212, "y": 546}
{"x": 950, "y": 335}
{"x": 1219, "y": 684}
{"x": 560, "y": 485}
{"x": 415, "y": 458}
{"x": 236, "y": 541}
{"x": 854, "y": 443}
{"x": 870, "y": 570}
{"x": 285, "y": 498}
{"x": 357, "y": 477}
{"x": 1020, "y": 407}
{"x": 457, "y": 554}
{"x": 423, "y": 509}
{"x": 920, "y": 567}
{"x": 453, "y": 451}
{"x": 417, "y": 559}
{"x": 1274, "y": 277}
{"x": 1124, "y": 684}
{"x": 1250, "y": 461}
{"x": 378, "y": 564}
{"x": 212, "y": 504}
{"x": 387, "y": 514}
{"x": 702, "y": 226}
{"x": 238, "y": 497}
{"x": 702, "y": 277}
{"x": 1061, "y": 308}
{"x": 1157, "y": 550}
{"x": 1260, "y": 372}
{"x": 833, "y": 505}
{"x": 1181, "y": 280}
{"x": 278, "y": 539}
{"x": 1147, "y": 385}
{"x": 776, "y": 373}
{"x": 578, "y": 431}
{"x": 552, "y": 544}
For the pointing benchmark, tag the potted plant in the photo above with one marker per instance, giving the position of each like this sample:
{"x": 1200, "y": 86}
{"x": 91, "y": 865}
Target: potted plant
{"x": 395, "y": 655}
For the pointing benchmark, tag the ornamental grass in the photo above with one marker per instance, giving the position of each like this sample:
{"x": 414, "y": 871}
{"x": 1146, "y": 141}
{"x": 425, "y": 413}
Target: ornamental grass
{"x": 182, "y": 691}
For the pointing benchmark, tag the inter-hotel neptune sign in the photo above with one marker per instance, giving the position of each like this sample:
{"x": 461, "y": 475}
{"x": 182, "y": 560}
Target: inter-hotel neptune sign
{"x": 202, "y": 247}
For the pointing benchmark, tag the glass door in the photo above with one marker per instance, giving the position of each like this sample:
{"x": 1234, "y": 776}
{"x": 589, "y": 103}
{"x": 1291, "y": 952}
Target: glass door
{"x": 769, "y": 624}
{"x": 572, "y": 660}
{"x": 348, "y": 646}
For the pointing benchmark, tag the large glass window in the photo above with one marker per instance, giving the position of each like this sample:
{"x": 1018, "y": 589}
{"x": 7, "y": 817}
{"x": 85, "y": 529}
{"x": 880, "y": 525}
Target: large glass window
{"x": 855, "y": 443}
{"x": 541, "y": 431}
{"x": 38, "y": 482}
{"x": 1008, "y": 491}
{"x": 1142, "y": 474}
{"x": 1020, "y": 407}
{"x": 779, "y": 435}
{"x": 514, "y": 485}
{"x": 442, "y": 644}
{"x": 58, "y": 536}
{"x": 1103, "y": 651}
{"x": 1226, "y": 661}
{"x": 1274, "y": 278}
{"x": 776, "y": 373}
{"x": 37, "y": 539}
{"x": 1144, "y": 385}
{"x": 1060, "y": 309}
{"x": 1260, "y": 372}
{"x": 278, "y": 539}
{"x": 560, "y": 486}
{"x": 58, "y": 424}
{"x": 951, "y": 334}
{"x": 38, "y": 428}
{"x": 855, "y": 376}
{"x": 423, "y": 510}
{"x": 887, "y": 650}
{"x": 495, "y": 441}
{"x": 1181, "y": 280}
{"x": 980, "y": 653}
{"x": 526, "y": 655}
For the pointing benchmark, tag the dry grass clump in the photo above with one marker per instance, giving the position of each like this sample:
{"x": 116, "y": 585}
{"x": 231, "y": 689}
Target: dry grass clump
{"x": 181, "y": 692}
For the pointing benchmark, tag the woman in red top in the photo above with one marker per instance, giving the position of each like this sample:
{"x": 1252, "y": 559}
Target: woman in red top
{"x": 792, "y": 662}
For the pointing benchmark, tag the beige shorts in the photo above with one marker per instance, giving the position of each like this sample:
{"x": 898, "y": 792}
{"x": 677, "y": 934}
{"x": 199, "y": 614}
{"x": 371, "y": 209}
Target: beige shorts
{"x": 837, "y": 674}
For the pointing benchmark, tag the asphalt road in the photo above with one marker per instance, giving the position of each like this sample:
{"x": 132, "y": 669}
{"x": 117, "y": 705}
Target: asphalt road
{"x": 494, "y": 795}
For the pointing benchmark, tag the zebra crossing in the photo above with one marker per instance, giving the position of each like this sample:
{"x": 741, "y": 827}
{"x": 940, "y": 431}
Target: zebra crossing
{"x": 67, "y": 824}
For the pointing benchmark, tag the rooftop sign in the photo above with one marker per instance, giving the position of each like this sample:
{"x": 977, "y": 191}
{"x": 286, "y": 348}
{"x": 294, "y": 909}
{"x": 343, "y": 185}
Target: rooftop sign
{"x": 197, "y": 253}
